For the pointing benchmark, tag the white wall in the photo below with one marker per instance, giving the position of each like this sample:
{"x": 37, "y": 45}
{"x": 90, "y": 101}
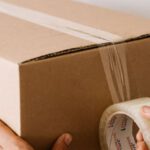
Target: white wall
{"x": 138, "y": 7}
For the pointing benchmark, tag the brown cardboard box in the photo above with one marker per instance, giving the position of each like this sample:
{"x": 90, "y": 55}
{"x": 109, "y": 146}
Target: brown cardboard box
{"x": 52, "y": 82}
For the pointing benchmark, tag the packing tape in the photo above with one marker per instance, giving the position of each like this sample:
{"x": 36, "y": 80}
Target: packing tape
{"x": 116, "y": 125}
{"x": 116, "y": 71}
{"x": 59, "y": 24}
{"x": 113, "y": 59}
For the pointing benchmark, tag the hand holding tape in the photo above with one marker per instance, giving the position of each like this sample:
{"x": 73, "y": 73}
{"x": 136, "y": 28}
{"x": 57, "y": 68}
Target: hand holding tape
{"x": 116, "y": 126}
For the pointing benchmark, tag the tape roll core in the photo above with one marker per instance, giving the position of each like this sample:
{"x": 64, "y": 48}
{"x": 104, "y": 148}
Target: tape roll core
{"x": 119, "y": 132}
{"x": 117, "y": 125}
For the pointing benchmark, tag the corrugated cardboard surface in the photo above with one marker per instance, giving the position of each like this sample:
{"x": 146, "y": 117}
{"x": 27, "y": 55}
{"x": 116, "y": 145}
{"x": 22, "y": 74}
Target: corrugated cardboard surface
{"x": 21, "y": 40}
{"x": 90, "y": 15}
{"x": 69, "y": 92}
{"x": 63, "y": 94}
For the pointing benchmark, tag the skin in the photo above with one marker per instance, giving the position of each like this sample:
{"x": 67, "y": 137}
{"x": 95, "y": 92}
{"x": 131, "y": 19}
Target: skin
{"x": 145, "y": 112}
{"x": 10, "y": 141}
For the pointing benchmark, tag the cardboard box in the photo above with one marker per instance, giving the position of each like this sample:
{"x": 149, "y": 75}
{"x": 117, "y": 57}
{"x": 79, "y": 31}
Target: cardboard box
{"x": 52, "y": 82}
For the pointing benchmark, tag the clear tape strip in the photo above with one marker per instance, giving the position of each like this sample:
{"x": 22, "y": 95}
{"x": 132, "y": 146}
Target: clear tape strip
{"x": 115, "y": 68}
{"x": 113, "y": 59}
{"x": 59, "y": 24}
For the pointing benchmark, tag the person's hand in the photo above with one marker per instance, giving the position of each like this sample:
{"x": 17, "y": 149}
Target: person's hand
{"x": 145, "y": 112}
{"x": 10, "y": 141}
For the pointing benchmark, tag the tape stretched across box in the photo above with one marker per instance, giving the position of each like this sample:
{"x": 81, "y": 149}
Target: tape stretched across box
{"x": 57, "y": 80}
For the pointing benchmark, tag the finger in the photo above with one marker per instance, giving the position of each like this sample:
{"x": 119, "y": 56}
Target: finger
{"x": 145, "y": 111}
{"x": 63, "y": 142}
{"x": 9, "y": 139}
{"x": 6, "y": 134}
{"x": 1, "y": 148}
{"x": 139, "y": 136}
{"x": 141, "y": 146}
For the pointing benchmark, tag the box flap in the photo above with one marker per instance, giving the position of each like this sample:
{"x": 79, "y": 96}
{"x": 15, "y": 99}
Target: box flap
{"x": 22, "y": 40}
{"x": 101, "y": 18}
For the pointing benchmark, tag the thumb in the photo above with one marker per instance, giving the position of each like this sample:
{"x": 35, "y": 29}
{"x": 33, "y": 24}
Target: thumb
{"x": 63, "y": 142}
{"x": 145, "y": 111}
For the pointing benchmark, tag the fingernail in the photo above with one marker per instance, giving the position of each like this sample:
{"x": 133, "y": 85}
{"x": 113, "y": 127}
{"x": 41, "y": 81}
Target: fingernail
{"x": 68, "y": 139}
{"x": 146, "y": 109}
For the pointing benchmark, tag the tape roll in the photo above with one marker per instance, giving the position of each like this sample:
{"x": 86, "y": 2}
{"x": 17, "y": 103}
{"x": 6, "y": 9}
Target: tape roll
{"x": 117, "y": 125}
